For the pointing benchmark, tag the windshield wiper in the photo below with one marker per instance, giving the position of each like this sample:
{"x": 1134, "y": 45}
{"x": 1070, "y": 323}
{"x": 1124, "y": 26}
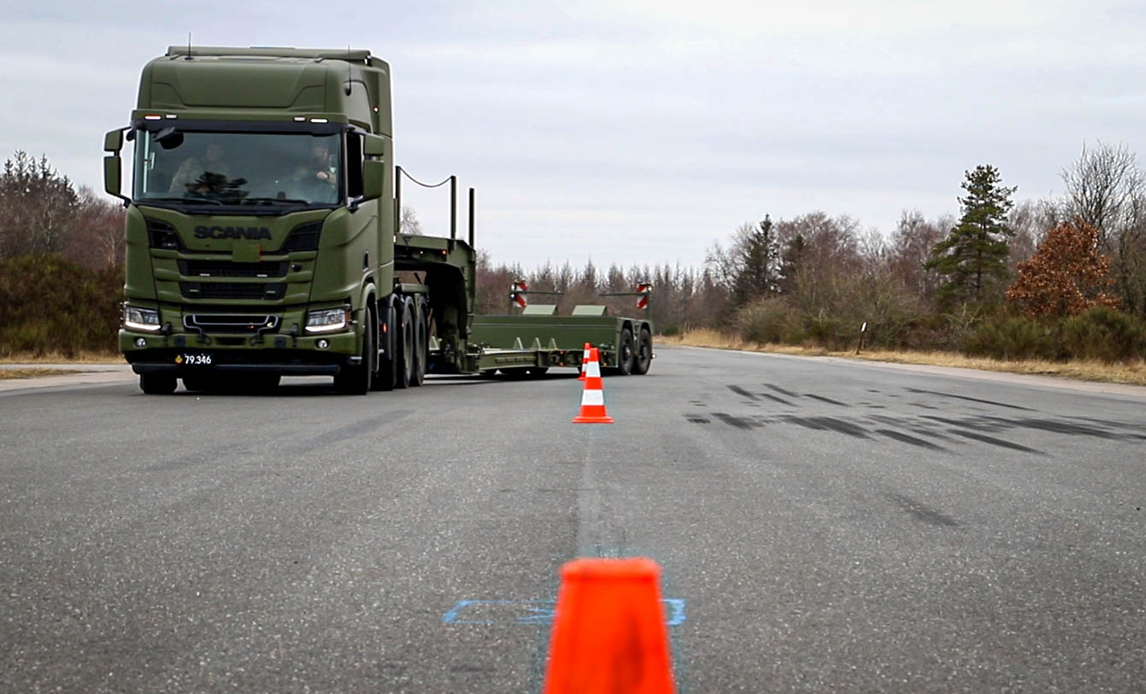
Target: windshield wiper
{"x": 272, "y": 201}
{"x": 182, "y": 201}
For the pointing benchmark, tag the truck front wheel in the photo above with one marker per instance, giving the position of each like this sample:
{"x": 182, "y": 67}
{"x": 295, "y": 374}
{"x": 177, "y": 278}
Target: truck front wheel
{"x": 355, "y": 379}
{"x": 157, "y": 384}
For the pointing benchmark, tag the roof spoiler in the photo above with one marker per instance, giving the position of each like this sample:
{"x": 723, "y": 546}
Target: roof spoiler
{"x": 357, "y": 55}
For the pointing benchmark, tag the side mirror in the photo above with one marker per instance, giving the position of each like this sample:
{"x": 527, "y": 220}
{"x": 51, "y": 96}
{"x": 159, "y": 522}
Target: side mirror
{"x": 373, "y": 173}
{"x": 374, "y": 146}
{"x": 113, "y": 141}
{"x": 112, "y": 173}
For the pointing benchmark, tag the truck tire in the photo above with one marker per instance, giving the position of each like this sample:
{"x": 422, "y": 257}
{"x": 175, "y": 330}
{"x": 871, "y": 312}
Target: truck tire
{"x": 387, "y": 373}
{"x": 157, "y": 384}
{"x": 356, "y": 380}
{"x": 421, "y": 343}
{"x": 626, "y": 355}
{"x": 644, "y": 355}
{"x": 404, "y": 349}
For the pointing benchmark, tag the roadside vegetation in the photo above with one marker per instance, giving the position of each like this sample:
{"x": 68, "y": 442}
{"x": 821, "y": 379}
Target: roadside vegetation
{"x": 1132, "y": 372}
{"x": 12, "y": 374}
{"x": 1052, "y": 284}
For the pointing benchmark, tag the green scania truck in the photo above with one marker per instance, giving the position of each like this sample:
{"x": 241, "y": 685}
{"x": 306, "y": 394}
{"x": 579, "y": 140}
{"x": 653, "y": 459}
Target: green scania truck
{"x": 263, "y": 239}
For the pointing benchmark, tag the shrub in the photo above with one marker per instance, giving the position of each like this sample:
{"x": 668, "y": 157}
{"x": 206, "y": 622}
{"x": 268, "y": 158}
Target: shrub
{"x": 50, "y": 306}
{"x": 671, "y": 331}
{"x": 1013, "y": 337}
{"x": 1103, "y": 333}
{"x": 826, "y": 331}
{"x": 770, "y": 320}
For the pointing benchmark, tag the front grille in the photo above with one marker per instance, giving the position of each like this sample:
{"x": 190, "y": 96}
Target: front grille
{"x": 302, "y": 238}
{"x": 232, "y": 290}
{"x": 162, "y": 235}
{"x": 223, "y": 268}
{"x": 231, "y": 322}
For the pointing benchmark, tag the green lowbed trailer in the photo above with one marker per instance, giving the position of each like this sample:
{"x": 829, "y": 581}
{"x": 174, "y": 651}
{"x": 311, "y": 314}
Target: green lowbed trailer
{"x": 262, "y": 238}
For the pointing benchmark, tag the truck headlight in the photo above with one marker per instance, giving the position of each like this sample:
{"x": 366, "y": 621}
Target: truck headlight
{"x": 145, "y": 319}
{"x": 327, "y": 320}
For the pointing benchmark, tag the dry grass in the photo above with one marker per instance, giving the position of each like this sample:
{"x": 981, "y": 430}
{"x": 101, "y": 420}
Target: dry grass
{"x": 82, "y": 358}
{"x": 9, "y": 374}
{"x": 1133, "y": 373}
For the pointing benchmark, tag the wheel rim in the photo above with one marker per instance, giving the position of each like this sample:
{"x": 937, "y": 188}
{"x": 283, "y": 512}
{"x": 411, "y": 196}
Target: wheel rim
{"x": 408, "y": 345}
{"x": 644, "y": 353}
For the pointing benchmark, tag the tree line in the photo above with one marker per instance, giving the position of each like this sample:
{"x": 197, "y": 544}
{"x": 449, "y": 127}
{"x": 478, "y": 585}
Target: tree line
{"x": 61, "y": 257}
{"x": 1056, "y": 277}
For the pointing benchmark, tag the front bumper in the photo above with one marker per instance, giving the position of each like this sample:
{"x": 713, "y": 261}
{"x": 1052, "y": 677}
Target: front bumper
{"x": 275, "y": 354}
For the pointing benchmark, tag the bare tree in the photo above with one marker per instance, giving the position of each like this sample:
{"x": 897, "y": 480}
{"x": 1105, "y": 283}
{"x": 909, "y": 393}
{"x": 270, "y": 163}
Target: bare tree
{"x": 1101, "y": 186}
{"x": 97, "y": 239}
{"x": 408, "y": 223}
{"x": 1030, "y": 221}
{"x": 1128, "y": 265}
{"x": 911, "y": 242}
{"x": 817, "y": 251}
{"x": 1106, "y": 189}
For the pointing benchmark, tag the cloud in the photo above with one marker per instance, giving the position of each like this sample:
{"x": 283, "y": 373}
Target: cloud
{"x": 643, "y": 131}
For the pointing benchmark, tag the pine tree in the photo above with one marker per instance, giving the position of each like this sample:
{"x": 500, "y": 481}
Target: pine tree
{"x": 758, "y": 271}
{"x": 974, "y": 254}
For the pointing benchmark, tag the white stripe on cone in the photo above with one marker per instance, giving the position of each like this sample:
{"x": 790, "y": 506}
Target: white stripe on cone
{"x": 593, "y": 397}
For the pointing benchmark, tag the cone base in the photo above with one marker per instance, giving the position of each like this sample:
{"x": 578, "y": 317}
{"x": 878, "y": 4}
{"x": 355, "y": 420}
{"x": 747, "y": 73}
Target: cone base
{"x": 592, "y": 420}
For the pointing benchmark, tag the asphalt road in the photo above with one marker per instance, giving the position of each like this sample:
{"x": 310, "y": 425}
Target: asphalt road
{"x": 821, "y": 526}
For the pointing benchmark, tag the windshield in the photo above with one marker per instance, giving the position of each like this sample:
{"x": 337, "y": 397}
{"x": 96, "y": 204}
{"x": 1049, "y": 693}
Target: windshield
{"x": 219, "y": 168}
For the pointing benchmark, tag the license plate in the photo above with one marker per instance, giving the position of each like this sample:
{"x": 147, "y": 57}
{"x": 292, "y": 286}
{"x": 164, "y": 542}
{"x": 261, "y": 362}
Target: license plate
{"x": 193, "y": 359}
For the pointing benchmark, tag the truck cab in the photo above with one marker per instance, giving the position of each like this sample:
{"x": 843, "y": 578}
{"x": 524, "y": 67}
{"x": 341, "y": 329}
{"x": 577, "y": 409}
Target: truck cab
{"x": 261, "y": 219}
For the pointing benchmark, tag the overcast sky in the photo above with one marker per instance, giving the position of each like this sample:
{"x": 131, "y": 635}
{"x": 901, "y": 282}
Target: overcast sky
{"x": 640, "y": 132}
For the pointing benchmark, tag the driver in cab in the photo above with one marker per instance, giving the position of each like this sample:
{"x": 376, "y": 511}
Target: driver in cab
{"x": 196, "y": 175}
{"x": 317, "y": 175}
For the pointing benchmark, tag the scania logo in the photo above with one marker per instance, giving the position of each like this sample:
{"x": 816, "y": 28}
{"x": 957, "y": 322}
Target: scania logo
{"x": 249, "y": 233}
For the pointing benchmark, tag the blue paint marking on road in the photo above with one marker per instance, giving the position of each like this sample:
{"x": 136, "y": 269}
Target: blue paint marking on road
{"x": 532, "y": 612}
{"x": 676, "y": 612}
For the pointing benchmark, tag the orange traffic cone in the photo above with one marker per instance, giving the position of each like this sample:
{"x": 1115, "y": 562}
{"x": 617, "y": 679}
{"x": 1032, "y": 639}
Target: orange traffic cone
{"x": 584, "y": 361}
{"x": 593, "y": 396}
{"x": 609, "y": 633}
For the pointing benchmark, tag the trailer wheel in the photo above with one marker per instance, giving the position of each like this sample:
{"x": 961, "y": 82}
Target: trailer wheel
{"x": 625, "y": 356}
{"x": 644, "y": 356}
{"x": 405, "y": 346}
{"x": 421, "y": 343}
{"x": 356, "y": 380}
{"x": 157, "y": 384}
